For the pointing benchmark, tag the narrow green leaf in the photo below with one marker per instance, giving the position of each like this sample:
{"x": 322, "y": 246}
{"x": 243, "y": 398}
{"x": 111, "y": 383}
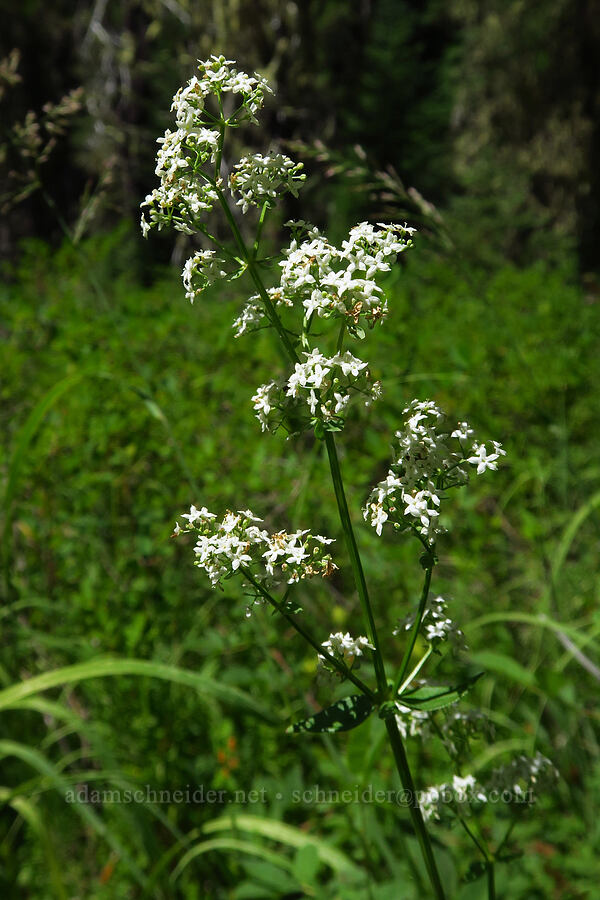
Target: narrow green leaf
{"x": 306, "y": 864}
{"x": 570, "y": 533}
{"x": 341, "y": 716}
{"x": 30, "y": 814}
{"x": 38, "y": 761}
{"x": 231, "y": 844}
{"x": 288, "y": 835}
{"x": 431, "y": 697}
{"x": 106, "y": 666}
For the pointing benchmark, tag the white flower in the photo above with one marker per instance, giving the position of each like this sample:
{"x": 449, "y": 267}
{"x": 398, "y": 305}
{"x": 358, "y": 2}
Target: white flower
{"x": 417, "y": 505}
{"x": 350, "y": 365}
{"x": 484, "y": 460}
{"x": 429, "y": 801}
{"x": 198, "y": 515}
{"x": 265, "y": 401}
{"x": 463, "y": 432}
{"x": 437, "y": 626}
{"x": 462, "y": 787}
{"x": 411, "y": 722}
{"x": 447, "y": 797}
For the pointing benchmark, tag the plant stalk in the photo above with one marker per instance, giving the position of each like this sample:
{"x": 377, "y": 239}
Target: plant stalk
{"x": 355, "y": 561}
{"x": 414, "y": 809}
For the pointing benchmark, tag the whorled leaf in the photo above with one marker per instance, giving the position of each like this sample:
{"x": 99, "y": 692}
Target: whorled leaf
{"x": 431, "y": 697}
{"x": 341, "y": 716}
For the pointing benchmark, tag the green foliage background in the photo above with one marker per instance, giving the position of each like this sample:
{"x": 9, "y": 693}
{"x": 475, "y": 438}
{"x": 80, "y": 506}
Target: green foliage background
{"x": 121, "y": 405}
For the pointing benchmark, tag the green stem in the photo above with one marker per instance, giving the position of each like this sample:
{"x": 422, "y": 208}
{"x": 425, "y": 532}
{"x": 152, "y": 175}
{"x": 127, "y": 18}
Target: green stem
{"x": 491, "y": 881}
{"x": 412, "y": 675}
{"x": 221, "y": 141}
{"x": 414, "y": 630}
{"x": 414, "y": 809}
{"x": 355, "y": 561}
{"x": 477, "y": 843}
{"x": 261, "y": 222}
{"x": 337, "y": 664}
{"x": 255, "y": 275}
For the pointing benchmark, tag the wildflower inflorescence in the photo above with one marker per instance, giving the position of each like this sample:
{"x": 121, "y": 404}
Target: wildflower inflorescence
{"x": 321, "y": 279}
{"x": 187, "y": 190}
{"x": 435, "y": 625}
{"x": 238, "y": 543}
{"x": 431, "y": 457}
{"x": 320, "y": 386}
{"x": 519, "y": 782}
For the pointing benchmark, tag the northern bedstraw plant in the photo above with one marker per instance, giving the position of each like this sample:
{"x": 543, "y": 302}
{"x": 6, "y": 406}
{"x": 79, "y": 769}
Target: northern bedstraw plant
{"x": 333, "y": 291}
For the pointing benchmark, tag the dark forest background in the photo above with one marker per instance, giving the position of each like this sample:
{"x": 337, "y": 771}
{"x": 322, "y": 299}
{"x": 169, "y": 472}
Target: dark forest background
{"x": 489, "y": 110}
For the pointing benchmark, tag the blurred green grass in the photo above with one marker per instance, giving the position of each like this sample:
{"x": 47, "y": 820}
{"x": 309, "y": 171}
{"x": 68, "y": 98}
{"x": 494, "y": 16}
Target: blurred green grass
{"x": 157, "y": 416}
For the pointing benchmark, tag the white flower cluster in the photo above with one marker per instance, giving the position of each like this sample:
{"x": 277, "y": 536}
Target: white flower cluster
{"x": 524, "y": 776}
{"x": 238, "y": 542}
{"x": 184, "y": 193}
{"x": 261, "y": 179}
{"x": 217, "y": 77}
{"x": 344, "y": 647}
{"x": 436, "y": 626}
{"x": 328, "y": 281}
{"x": 323, "y": 384}
{"x": 458, "y": 793}
{"x": 182, "y": 196}
{"x": 200, "y": 271}
{"x": 429, "y": 460}
{"x": 461, "y": 726}
{"x": 251, "y": 318}
{"x": 518, "y": 782}
{"x": 411, "y": 722}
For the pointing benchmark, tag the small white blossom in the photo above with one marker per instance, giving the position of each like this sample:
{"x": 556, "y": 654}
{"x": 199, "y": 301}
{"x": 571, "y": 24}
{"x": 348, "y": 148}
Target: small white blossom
{"x": 416, "y": 505}
{"x": 452, "y": 797}
{"x": 436, "y": 626}
{"x": 266, "y": 401}
{"x": 251, "y": 318}
{"x": 463, "y": 432}
{"x": 198, "y": 515}
{"x": 484, "y": 460}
